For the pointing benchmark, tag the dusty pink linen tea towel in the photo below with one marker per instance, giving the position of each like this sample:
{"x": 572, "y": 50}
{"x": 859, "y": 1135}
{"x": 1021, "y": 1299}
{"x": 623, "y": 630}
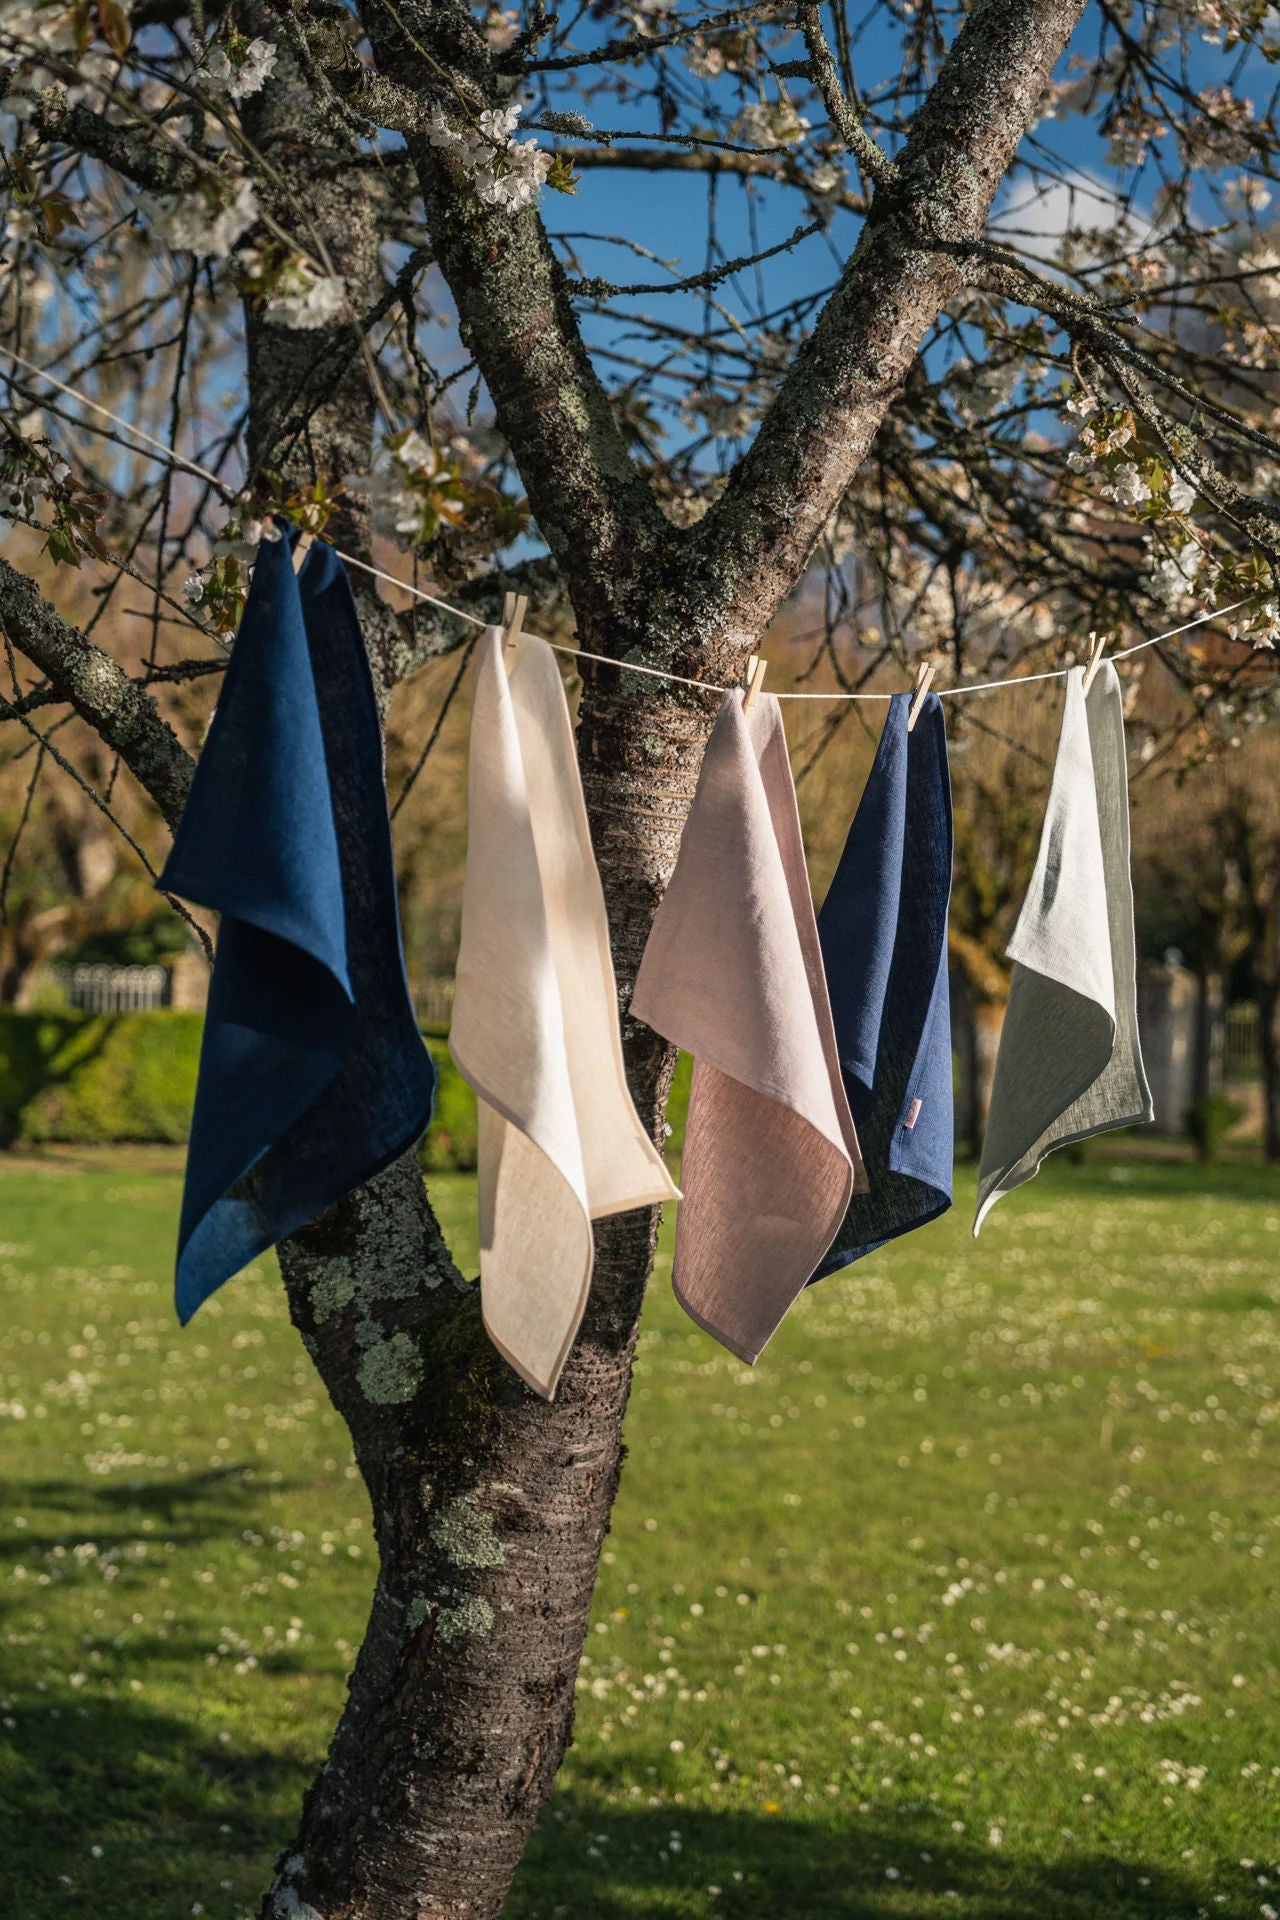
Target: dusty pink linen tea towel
{"x": 733, "y": 974}
{"x": 1070, "y": 1063}
{"x": 535, "y": 1018}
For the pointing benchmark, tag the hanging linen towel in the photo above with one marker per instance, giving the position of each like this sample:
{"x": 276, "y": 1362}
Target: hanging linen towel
{"x": 883, "y": 929}
{"x": 1069, "y": 1063}
{"x": 535, "y": 1018}
{"x": 733, "y": 974}
{"x": 313, "y": 1075}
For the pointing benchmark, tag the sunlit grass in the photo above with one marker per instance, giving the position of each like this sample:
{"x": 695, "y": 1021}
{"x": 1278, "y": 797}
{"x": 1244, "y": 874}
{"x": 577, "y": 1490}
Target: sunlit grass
{"x": 963, "y": 1602}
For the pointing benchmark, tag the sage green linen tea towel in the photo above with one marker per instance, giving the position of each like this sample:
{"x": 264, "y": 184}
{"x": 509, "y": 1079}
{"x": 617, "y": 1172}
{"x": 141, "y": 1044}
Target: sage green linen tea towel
{"x": 535, "y": 1019}
{"x": 1070, "y": 1063}
{"x": 733, "y": 973}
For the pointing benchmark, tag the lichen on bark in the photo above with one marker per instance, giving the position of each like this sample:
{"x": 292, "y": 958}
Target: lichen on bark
{"x": 465, "y": 1535}
{"x": 390, "y": 1371}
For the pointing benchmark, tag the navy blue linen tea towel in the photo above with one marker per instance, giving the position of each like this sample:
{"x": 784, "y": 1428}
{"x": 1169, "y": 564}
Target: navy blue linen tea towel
{"x": 883, "y": 930}
{"x": 313, "y": 1075}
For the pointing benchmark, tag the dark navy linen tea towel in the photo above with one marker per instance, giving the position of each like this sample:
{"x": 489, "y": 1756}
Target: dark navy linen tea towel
{"x": 313, "y": 1075}
{"x": 883, "y": 929}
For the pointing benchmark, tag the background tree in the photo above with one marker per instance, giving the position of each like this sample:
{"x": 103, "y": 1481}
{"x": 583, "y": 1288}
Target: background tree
{"x": 1251, "y": 843}
{"x": 308, "y": 248}
{"x": 1208, "y": 847}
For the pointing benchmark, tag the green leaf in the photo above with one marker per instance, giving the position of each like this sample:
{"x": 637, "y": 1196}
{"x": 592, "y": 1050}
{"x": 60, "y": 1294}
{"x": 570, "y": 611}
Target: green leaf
{"x": 62, "y": 547}
{"x": 561, "y": 176}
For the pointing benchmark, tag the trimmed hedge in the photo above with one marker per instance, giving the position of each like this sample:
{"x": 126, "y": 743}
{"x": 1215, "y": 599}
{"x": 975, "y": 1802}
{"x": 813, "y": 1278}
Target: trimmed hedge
{"x": 95, "y": 1077}
{"x": 100, "y": 1077}
{"x": 450, "y": 1142}
{"x": 678, "y": 1105}
{"x": 118, "y": 1076}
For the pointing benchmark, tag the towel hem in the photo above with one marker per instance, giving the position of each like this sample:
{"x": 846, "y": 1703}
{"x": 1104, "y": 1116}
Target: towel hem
{"x": 380, "y": 1166}
{"x": 718, "y": 1333}
{"x": 670, "y": 1192}
{"x": 544, "y": 1390}
{"x": 999, "y": 1191}
{"x": 828, "y": 1266}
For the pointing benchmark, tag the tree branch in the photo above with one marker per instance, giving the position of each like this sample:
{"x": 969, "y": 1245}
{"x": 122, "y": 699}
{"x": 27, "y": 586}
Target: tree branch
{"x": 903, "y": 271}
{"x": 122, "y": 713}
{"x": 146, "y": 159}
{"x": 780, "y": 167}
{"x": 843, "y": 114}
{"x": 594, "y": 509}
{"x": 596, "y": 288}
{"x": 1094, "y": 326}
{"x": 1095, "y": 323}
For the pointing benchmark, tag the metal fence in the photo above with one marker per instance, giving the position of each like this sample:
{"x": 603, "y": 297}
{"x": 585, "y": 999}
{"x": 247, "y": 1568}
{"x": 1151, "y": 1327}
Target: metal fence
{"x": 114, "y": 989}
{"x": 435, "y": 1003}
{"x": 141, "y": 989}
{"x": 1241, "y": 1060}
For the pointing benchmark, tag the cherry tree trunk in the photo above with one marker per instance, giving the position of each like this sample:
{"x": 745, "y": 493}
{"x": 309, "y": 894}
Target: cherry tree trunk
{"x": 489, "y": 1505}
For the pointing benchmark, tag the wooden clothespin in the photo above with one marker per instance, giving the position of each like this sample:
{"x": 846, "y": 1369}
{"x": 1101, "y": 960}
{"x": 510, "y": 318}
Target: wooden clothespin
{"x": 301, "y": 551}
{"x": 924, "y": 680}
{"x": 1097, "y": 647}
{"x": 513, "y": 611}
{"x": 756, "y": 671}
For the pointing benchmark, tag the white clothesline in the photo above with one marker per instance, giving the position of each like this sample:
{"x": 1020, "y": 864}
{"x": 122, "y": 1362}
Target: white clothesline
{"x": 625, "y": 666}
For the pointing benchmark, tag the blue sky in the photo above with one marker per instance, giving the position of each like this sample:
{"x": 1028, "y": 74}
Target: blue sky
{"x": 668, "y": 214}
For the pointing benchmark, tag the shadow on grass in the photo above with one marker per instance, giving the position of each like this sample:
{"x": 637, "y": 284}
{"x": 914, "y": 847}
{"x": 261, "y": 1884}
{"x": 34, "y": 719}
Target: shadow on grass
{"x": 175, "y": 1813}
{"x": 836, "y": 1865}
{"x": 190, "y": 1508}
{"x": 181, "y": 1818}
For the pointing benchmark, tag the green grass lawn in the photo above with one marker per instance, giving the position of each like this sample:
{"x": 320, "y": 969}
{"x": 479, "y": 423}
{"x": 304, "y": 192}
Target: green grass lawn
{"x": 962, "y": 1603}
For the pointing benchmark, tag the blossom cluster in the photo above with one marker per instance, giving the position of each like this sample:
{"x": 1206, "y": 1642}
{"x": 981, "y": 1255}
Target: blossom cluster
{"x": 218, "y": 593}
{"x": 294, "y": 293}
{"x": 244, "y": 533}
{"x": 208, "y": 221}
{"x": 500, "y": 26}
{"x": 28, "y": 469}
{"x": 41, "y": 37}
{"x": 436, "y": 495}
{"x": 1109, "y": 449}
{"x": 976, "y": 391}
{"x": 734, "y": 50}
{"x": 761, "y": 124}
{"x": 421, "y": 492}
{"x": 241, "y": 67}
{"x": 1222, "y": 133}
{"x": 37, "y": 487}
{"x": 506, "y": 172}
{"x": 1173, "y": 567}
{"x": 1182, "y": 565}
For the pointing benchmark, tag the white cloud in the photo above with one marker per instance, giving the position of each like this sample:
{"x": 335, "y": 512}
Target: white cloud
{"x": 1035, "y": 219}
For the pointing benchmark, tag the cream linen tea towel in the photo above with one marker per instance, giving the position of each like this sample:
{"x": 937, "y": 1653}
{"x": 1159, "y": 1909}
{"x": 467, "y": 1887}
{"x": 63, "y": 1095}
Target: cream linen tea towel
{"x": 1069, "y": 1063}
{"x": 535, "y": 1018}
{"x": 733, "y": 973}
